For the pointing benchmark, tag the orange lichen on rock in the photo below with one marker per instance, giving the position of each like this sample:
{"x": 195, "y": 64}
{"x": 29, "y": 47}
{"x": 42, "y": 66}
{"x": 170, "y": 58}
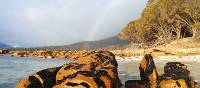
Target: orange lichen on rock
{"x": 176, "y": 76}
{"x": 173, "y": 84}
{"x": 23, "y": 83}
{"x": 148, "y": 71}
{"x": 92, "y": 70}
{"x": 176, "y": 73}
{"x": 99, "y": 69}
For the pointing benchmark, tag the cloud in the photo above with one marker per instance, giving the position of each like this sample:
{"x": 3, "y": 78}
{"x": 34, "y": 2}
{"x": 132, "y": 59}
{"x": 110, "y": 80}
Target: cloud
{"x": 33, "y": 14}
{"x": 57, "y": 22}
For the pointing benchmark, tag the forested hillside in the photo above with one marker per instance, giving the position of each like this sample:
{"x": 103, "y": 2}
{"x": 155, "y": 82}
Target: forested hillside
{"x": 104, "y": 44}
{"x": 163, "y": 21}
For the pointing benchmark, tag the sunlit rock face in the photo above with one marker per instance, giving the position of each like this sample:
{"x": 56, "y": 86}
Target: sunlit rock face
{"x": 148, "y": 71}
{"x": 176, "y": 75}
{"x": 43, "y": 79}
{"x": 99, "y": 70}
{"x": 93, "y": 70}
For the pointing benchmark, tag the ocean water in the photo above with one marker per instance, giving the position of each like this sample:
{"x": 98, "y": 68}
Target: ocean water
{"x": 12, "y": 69}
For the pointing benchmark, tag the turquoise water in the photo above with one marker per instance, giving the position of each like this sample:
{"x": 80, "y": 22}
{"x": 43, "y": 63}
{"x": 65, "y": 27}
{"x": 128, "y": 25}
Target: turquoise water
{"x": 12, "y": 69}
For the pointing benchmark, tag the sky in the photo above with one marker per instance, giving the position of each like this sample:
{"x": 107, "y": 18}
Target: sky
{"x": 32, "y": 23}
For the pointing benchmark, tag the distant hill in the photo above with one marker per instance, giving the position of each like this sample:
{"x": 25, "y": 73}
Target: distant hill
{"x": 108, "y": 43}
{"x": 4, "y": 46}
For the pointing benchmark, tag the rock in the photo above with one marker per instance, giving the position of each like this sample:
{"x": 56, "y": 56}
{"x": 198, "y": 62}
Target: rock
{"x": 70, "y": 69}
{"x": 176, "y": 68}
{"x": 148, "y": 71}
{"x": 99, "y": 70}
{"x": 30, "y": 82}
{"x": 135, "y": 84}
{"x": 49, "y": 57}
{"x": 82, "y": 78}
{"x": 92, "y": 70}
{"x": 4, "y": 51}
{"x": 170, "y": 83}
{"x": 43, "y": 79}
{"x": 16, "y": 54}
{"x": 176, "y": 74}
{"x": 97, "y": 57}
{"x": 50, "y": 54}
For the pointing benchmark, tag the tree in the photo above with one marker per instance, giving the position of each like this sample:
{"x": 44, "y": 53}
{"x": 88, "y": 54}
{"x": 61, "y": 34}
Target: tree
{"x": 163, "y": 21}
{"x": 196, "y": 30}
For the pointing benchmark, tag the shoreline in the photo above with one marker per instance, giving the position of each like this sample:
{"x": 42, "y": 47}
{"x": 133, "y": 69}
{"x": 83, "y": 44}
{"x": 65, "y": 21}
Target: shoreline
{"x": 160, "y": 59}
{"x": 129, "y": 54}
{"x": 192, "y": 58}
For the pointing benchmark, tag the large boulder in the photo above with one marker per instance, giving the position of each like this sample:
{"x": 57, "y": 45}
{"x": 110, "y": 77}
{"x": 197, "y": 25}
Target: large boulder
{"x": 176, "y": 75}
{"x": 148, "y": 72}
{"x": 94, "y": 70}
{"x": 43, "y": 79}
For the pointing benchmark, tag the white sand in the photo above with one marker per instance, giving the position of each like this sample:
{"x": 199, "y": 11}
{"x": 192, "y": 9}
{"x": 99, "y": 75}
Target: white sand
{"x": 195, "y": 58}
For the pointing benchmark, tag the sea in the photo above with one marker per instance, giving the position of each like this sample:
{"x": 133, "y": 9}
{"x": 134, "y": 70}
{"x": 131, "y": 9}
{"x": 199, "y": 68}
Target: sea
{"x": 12, "y": 69}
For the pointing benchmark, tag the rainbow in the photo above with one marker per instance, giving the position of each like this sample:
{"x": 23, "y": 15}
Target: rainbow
{"x": 92, "y": 32}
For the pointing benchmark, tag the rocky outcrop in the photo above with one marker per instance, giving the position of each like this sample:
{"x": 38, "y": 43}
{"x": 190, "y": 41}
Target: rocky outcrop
{"x": 4, "y": 51}
{"x": 94, "y": 70}
{"x": 43, "y": 79}
{"x": 99, "y": 70}
{"x": 49, "y": 54}
{"x": 176, "y": 75}
{"x": 148, "y": 71}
